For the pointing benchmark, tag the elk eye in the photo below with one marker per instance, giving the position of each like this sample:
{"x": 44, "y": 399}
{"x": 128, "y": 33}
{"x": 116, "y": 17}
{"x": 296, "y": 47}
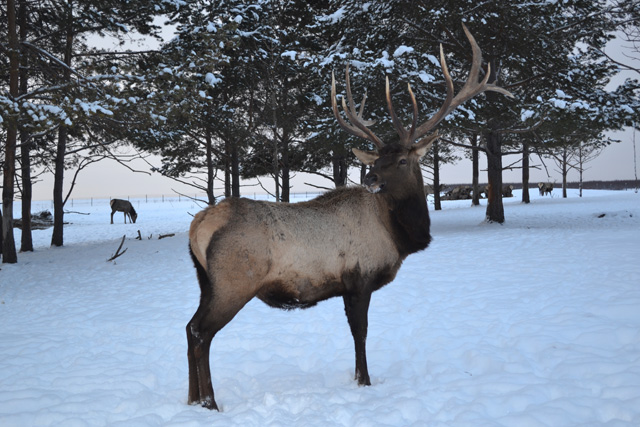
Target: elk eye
{"x": 402, "y": 162}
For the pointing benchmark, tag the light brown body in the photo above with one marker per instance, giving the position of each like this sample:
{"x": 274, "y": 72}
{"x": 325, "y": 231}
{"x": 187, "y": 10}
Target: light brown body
{"x": 263, "y": 241}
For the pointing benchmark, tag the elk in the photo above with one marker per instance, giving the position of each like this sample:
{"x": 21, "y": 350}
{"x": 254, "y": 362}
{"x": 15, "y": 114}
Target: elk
{"x": 119, "y": 205}
{"x": 545, "y": 188}
{"x": 348, "y": 242}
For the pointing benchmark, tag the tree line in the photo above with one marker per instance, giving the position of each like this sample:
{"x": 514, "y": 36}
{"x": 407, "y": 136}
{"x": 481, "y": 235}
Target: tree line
{"x": 242, "y": 88}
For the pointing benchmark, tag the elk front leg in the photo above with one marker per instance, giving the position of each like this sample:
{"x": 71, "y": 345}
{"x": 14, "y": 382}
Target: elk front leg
{"x": 356, "y": 307}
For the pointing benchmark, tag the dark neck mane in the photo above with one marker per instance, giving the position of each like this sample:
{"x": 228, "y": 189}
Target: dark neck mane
{"x": 410, "y": 224}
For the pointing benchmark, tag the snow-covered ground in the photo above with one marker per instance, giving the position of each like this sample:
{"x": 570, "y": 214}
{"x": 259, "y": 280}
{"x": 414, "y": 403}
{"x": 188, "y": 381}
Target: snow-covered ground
{"x": 534, "y": 322}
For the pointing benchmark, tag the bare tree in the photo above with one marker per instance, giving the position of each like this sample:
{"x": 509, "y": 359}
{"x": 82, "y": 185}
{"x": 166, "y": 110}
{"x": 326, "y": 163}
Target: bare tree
{"x": 574, "y": 157}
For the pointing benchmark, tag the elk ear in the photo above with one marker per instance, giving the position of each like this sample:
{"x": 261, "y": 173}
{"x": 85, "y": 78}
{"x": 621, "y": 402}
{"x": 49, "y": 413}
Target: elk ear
{"x": 421, "y": 148}
{"x": 366, "y": 157}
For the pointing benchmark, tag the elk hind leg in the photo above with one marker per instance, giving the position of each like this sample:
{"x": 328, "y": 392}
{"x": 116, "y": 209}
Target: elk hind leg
{"x": 216, "y": 309}
{"x": 199, "y": 337}
{"x": 212, "y": 315}
{"x": 356, "y": 307}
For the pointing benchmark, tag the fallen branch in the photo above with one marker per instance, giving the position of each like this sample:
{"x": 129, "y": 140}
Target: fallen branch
{"x": 118, "y": 253}
{"x": 162, "y": 236}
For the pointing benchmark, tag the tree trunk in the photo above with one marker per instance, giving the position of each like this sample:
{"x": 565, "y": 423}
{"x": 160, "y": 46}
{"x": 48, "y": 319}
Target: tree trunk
{"x": 235, "y": 170}
{"x": 565, "y": 171}
{"x": 1, "y": 233}
{"x": 285, "y": 170}
{"x": 227, "y": 169}
{"x": 493, "y": 140}
{"x": 495, "y": 208}
{"x": 211, "y": 198}
{"x": 26, "y": 243}
{"x": 57, "y": 238}
{"x": 436, "y": 177}
{"x": 58, "y": 182}
{"x": 525, "y": 173}
{"x": 363, "y": 173}
{"x": 580, "y": 169}
{"x": 9, "y": 254}
{"x": 339, "y": 163}
{"x": 475, "y": 173}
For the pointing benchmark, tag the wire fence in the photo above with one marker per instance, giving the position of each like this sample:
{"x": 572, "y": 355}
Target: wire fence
{"x": 39, "y": 205}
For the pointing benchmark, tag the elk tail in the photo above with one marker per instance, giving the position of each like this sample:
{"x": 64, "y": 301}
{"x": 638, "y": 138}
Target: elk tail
{"x": 203, "y": 277}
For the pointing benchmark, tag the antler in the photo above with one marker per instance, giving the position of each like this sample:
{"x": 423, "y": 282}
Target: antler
{"x": 470, "y": 89}
{"x": 359, "y": 126}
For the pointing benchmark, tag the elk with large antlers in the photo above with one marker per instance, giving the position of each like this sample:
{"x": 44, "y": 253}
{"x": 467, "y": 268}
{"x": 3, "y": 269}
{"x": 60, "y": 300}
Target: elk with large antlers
{"x": 348, "y": 242}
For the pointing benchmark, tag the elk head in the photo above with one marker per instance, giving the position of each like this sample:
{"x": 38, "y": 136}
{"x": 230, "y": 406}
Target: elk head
{"x": 395, "y": 167}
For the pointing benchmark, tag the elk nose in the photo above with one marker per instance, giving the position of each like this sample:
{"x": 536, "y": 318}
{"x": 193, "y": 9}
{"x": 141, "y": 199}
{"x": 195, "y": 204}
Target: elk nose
{"x": 370, "y": 179}
{"x": 373, "y": 184}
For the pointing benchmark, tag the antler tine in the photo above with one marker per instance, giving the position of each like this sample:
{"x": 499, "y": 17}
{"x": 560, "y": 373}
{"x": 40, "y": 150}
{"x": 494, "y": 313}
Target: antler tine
{"x": 406, "y": 137}
{"x": 351, "y": 129}
{"x": 358, "y": 126}
{"x": 364, "y": 99}
{"x": 444, "y": 109}
{"x": 470, "y": 89}
{"x": 414, "y": 122}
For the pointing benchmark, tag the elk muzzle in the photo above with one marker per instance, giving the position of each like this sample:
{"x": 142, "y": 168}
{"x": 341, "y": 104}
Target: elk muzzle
{"x": 373, "y": 183}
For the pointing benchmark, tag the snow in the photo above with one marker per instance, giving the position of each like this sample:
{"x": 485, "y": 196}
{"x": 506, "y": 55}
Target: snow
{"x": 402, "y": 50}
{"x": 526, "y": 114}
{"x": 211, "y": 79}
{"x": 335, "y": 17}
{"x": 534, "y": 322}
{"x": 426, "y": 77}
{"x": 384, "y": 61}
{"x": 291, "y": 54}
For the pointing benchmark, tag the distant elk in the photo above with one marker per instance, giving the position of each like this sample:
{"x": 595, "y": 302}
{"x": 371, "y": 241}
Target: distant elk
{"x": 348, "y": 242}
{"x": 119, "y": 205}
{"x": 507, "y": 190}
{"x": 465, "y": 192}
{"x": 545, "y": 188}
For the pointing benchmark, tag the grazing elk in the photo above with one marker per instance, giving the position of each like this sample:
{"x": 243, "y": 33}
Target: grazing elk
{"x": 119, "y": 205}
{"x": 507, "y": 191}
{"x": 545, "y": 188}
{"x": 348, "y": 242}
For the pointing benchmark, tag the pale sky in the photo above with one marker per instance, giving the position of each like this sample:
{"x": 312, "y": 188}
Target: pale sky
{"x": 110, "y": 179}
